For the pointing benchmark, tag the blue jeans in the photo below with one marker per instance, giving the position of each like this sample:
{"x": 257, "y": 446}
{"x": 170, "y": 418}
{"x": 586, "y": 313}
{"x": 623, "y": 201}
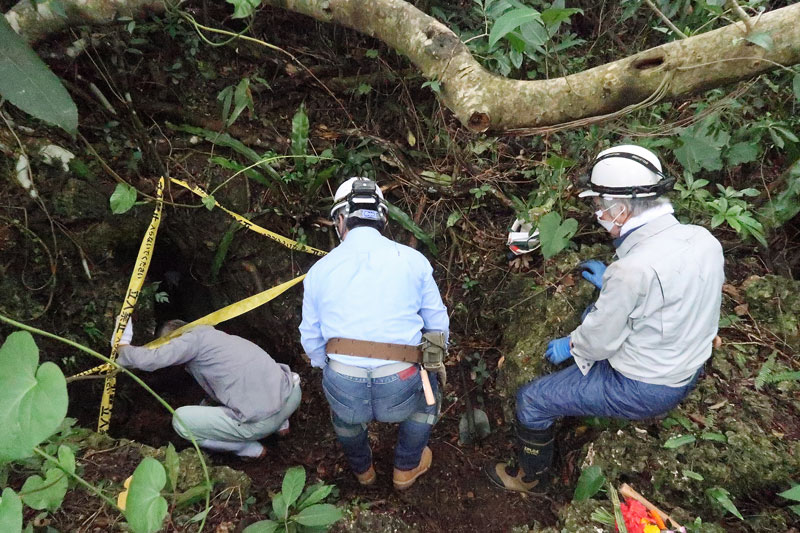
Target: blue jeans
{"x": 397, "y": 398}
{"x": 601, "y": 392}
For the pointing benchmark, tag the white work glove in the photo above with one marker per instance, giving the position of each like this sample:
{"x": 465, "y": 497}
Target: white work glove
{"x": 127, "y": 335}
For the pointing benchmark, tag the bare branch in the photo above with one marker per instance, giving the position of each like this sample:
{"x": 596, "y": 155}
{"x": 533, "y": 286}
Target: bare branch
{"x": 666, "y": 20}
{"x": 736, "y": 8}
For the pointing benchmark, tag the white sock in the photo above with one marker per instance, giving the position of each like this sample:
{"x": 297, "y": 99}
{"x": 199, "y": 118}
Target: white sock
{"x": 285, "y": 425}
{"x": 242, "y": 449}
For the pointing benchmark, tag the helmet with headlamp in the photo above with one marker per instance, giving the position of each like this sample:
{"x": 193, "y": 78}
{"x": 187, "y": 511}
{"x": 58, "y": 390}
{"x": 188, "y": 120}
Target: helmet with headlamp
{"x": 359, "y": 198}
{"x": 627, "y": 171}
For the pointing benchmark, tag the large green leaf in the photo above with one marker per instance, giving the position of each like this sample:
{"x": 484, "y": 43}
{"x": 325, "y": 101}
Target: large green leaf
{"x": 555, "y": 234}
{"x": 796, "y": 86}
{"x": 172, "y": 462}
{"x": 223, "y": 139}
{"x": 293, "y": 483}
{"x": 742, "y": 152}
{"x": 122, "y": 199}
{"x": 146, "y": 508}
{"x": 10, "y": 512}
{"x": 29, "y": 84}
{"x": 263, "y": 526}
{"x": 722, "y": 496}
{"x": 591, "y": 480}
{"x": 280, "y": 507}
{"x": 243, "y": 8}
{"x": 400, "y": 216}
{"x": 791, "y": 494}
{"x": 300, "y": 132}
{"x": 47, "y": 493}
{"x": 66, "y": 458}
{"x": 702, "y": 146}
{"x": 322, "y": 514}
{"x": 677, "y": 442}
{"x": 510, "y": 21}
{"x": 314, "y": 494}
{"x": 554, "y": 15}
{"x": 762, "y": 39}
{"x": 33, "y": 398}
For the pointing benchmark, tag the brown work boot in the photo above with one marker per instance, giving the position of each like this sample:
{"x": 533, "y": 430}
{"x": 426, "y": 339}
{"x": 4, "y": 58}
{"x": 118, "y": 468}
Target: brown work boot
{"x": 403, "y": 479}
{"x": 368, "y": 477}
{"x": 514, "y": 479}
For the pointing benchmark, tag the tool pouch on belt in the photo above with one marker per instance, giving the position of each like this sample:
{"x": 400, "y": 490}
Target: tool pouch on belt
{"x": 434, "y": 350}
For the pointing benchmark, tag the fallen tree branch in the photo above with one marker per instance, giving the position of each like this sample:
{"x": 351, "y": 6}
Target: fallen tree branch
{"x": 482, "y": 100}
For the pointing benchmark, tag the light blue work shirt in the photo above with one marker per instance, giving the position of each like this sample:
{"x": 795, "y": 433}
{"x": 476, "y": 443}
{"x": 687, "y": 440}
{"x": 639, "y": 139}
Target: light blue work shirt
{"x": 373, "y": 289}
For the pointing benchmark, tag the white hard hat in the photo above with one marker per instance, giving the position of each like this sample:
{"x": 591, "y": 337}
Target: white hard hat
{"x": 359, "y": 194}
{"x": 627, "y": 171}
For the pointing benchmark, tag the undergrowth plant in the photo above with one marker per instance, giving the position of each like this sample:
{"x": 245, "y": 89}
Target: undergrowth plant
{"x": 35, "y": 438}
{"x": 519, "y": 39}
{"x": 295, "y": 510}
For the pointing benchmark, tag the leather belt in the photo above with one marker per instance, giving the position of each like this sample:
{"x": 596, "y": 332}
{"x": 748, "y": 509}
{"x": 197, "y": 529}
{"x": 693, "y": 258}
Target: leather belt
{"x": 375, "y": 350}
{"x": 374, "y": 373}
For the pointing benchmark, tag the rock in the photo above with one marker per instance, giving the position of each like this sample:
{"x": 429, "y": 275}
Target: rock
{"x": 574, "y": 518}
{"x": 752, "y": 462}
{"x": 775, "y": 302}
{"x": 365, "y": 521}
{"x": 548, "y": 310}
{"x": 79, "y": 200}
{"x": 191, "y": 471}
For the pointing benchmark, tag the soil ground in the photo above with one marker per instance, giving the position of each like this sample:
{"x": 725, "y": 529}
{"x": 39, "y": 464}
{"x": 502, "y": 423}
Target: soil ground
{"x": 454, "y": 496}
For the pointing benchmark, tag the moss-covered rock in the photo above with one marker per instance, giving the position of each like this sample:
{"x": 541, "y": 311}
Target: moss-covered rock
{"x": 358, "y": 520}
{"x": 574, "y": 518}
{"x": 191, "y": 471}
{"x": 731, "y": 451}
{"x": 542, "y": 310}
{"x": 79, "y": 200}
{"x": 774, "y": 301}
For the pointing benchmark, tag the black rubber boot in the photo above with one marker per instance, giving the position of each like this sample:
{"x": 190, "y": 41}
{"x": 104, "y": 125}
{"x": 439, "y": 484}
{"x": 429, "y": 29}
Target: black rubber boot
{"x": 532, "y": 473}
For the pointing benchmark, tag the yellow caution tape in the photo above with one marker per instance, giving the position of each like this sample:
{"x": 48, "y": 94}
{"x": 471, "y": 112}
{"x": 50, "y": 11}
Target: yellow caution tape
{"x": 235, "y": 309}
{"x": 105, "y": 367}
{"x": 230, "y": 311}
{"x": 289, "y": 243}
{"x": 134, "y": 289}
{"x": 212, "y": 319}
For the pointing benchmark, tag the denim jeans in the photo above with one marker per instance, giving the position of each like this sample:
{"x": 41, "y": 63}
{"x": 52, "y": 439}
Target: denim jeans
{"x": 601, "y": 392}
{"x": 396, "y": 398}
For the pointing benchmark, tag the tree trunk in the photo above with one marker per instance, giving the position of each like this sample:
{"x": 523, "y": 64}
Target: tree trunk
{"x": 484, "y": 101}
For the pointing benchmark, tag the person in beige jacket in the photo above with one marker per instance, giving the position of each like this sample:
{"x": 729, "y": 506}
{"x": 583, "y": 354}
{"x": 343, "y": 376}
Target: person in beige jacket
{"x": 640, "y": 348}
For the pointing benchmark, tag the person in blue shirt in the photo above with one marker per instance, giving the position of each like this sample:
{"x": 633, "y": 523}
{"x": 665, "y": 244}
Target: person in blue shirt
{"x": 366, "y": 305}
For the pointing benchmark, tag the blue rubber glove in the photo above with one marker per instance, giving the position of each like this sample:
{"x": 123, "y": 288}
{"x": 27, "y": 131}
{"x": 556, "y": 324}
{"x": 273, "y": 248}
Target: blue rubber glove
{"x": 558, "y": 350}
{"x": 593, "y": 272}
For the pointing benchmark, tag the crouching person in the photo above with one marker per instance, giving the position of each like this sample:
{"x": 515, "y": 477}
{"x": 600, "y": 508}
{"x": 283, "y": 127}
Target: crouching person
{"x": 639, "y": 350}
{"x": 256, "y": 394}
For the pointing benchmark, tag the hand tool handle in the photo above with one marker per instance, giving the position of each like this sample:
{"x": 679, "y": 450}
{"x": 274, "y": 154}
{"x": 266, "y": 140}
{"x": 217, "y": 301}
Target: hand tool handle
{"x": 426, "y": 387}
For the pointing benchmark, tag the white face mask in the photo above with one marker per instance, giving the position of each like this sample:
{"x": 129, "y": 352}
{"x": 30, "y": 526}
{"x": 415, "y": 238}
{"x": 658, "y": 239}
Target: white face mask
{"x": 608, "y": 224}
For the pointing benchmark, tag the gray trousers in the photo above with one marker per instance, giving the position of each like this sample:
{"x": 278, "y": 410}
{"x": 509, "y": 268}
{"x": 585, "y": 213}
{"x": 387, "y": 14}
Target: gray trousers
{"x": 214, "y": 424}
